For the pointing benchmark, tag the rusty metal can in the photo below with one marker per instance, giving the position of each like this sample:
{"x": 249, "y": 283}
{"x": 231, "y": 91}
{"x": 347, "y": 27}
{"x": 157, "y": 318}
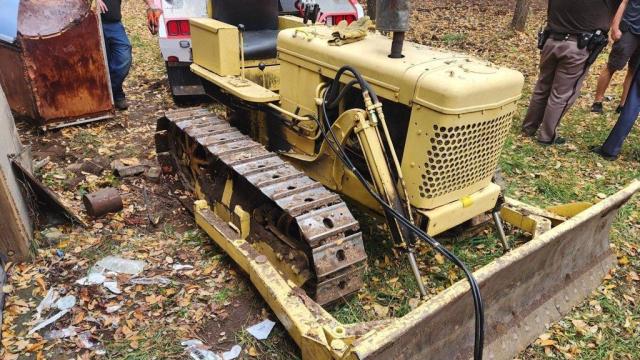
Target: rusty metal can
{"x": 102, "y": 202}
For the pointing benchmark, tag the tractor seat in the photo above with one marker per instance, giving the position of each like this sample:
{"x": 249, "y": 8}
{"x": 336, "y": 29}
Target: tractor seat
{"x": 260, "y": 20}
{"x": 260, "y": 44}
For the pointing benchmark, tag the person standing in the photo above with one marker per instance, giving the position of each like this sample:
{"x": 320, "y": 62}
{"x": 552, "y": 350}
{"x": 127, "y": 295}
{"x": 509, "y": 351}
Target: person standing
{"x": 118, "y": 46}
{"x": 610, "y": 150}
{"x": 574, "y": 36}
{"x": 625, "y": 35}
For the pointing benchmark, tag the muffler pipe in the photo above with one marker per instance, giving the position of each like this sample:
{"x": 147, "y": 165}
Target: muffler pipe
{"x": 393, "y": 16}
{"x": 396, "y": 45}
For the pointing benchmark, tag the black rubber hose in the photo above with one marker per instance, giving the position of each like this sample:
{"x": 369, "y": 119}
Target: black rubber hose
{"x": 475, "y": 289}
{"x": 363, "y": 83}
{"x": 335, "y": 102}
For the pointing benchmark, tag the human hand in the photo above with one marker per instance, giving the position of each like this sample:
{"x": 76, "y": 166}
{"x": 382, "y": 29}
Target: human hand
{"x": 102, "y": 6}
{"x": 615, "y": 34}
{"x": 153, "y": 19}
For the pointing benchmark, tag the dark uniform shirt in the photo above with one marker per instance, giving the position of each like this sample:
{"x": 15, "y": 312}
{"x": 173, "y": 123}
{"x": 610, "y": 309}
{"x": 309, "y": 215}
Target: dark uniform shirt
{"x": 580, "y": 16}
{"x": 631, "y": 16}
{"x": 113, "y": 14}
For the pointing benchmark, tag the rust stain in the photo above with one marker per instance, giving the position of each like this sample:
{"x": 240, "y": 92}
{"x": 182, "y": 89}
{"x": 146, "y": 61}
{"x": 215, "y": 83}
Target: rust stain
{"x": 14, "y": 82}
{"x": 71, "y": 82}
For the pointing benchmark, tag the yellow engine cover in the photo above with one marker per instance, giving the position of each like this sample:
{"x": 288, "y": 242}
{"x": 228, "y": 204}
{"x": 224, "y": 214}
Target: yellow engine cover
{"x": 461, "y": 107}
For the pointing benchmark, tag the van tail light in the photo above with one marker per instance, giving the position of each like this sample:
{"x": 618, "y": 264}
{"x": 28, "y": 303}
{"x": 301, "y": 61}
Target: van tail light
{"x": 335, "y": 19}
{"x": 172, "y": 59}
{"x": 178, "y": 28}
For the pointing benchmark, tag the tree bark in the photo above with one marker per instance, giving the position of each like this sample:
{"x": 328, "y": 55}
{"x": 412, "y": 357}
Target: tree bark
{"x": 371, "y": 9}
{"x": 520, "y": 15}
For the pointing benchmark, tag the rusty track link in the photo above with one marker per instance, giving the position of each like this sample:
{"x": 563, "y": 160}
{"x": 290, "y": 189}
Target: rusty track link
{"x": 287, "y": 208}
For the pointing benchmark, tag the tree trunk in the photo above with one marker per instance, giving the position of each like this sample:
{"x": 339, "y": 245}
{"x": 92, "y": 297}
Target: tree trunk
{"x": 371, "y": 9}
{"x": 520, "y": 15}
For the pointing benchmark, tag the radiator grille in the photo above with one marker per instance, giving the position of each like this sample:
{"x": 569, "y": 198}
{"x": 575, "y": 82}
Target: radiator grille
{"x": 462, "y": 155}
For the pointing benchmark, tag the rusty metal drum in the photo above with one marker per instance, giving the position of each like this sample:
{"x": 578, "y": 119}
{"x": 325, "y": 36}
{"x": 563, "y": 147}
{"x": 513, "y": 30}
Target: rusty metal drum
{"x": 53, "y": 67}
{"x": 102, "y": 202}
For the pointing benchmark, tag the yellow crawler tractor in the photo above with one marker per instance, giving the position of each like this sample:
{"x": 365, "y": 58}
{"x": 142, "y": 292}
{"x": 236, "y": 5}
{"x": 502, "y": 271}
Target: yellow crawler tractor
{"x": 319, "y": 113}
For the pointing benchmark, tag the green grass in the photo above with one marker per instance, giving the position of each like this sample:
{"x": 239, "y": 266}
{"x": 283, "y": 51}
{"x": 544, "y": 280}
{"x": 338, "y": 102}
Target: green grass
{"x": 453, "y": 38}
{"x": 155, "y": 344}
{"x": 107, "y": 245}
{"x": 222, "y": 295}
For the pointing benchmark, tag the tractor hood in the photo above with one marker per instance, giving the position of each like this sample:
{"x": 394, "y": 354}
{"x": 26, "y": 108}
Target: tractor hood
{"x": 441, "y": 80}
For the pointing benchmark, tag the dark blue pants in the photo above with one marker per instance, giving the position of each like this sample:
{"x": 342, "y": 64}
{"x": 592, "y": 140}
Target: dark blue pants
{"x": 627, "y": 119}
{"x": 118, "y": 50}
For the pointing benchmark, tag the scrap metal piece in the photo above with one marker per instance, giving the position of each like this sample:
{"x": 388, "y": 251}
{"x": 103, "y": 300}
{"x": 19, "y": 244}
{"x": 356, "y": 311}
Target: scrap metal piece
{"x": 102, "y": 202}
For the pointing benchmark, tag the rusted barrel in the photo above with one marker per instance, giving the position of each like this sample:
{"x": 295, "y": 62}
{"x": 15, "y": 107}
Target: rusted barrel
{"x": 53, "y": 68}
{"x": 102, "y": 202}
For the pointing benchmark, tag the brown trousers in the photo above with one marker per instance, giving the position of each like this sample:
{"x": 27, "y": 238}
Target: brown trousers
{"x": 562, "y": 71}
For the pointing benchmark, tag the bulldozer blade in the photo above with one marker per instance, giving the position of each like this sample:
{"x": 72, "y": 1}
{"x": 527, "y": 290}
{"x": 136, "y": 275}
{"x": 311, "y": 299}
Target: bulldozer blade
{"x": 524, "y": 292}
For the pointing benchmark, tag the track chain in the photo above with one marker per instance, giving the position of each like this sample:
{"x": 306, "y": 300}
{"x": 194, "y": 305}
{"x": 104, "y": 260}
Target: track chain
{"x": 324, "y": 228}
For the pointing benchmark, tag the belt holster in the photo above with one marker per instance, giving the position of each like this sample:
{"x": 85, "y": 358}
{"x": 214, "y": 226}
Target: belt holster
{"x": 543, "y": 36}
{"x": 598, "y": 40}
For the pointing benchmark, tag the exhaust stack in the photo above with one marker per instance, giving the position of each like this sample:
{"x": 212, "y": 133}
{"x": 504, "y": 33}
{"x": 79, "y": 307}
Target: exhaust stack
{"x": 393, "y": 16}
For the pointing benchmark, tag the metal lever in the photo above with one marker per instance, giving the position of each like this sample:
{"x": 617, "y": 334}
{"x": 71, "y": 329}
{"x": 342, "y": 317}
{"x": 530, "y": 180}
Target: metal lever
{"x": 241, "y": 33}
{"x": 498, "y": 222}
{"x": 503, "y": 237}
{"x": 262, "y": 66}
{"x": 416, "y": 271}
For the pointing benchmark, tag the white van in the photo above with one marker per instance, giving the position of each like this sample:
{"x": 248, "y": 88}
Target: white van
{"x": 174, "y": 35}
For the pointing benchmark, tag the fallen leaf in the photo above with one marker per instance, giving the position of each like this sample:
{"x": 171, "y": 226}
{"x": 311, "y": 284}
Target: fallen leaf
{"x": 381, "y": 311}
{"x": 547, "y": 342}
{"x": 252, "y": 352}
{"x": 580, "y": 326}
{"x": 623, "y": 261}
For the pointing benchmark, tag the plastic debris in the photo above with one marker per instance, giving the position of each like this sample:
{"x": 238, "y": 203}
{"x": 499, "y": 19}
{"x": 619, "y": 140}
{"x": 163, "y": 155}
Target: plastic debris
{"x": 262, "y": 329}
{"x": 59, "y": 253}
{"x": 62, "y": 333}
{"x": 198, "y": 351}
{"x": 66, "y": 302}
{"x": 47, "y": 302}
{"x": 112, "y": 286}
{"x": 84, "y": 341}
{"x": 48, "y": 321}
{"x": 178, "y": 267}
{"x": 156, "y": 280}
{"x": 233, "y": 353}
{"x": 92, "y": 279}
{"x": 113, "y": 308}
{"x": 119, "y": 265}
